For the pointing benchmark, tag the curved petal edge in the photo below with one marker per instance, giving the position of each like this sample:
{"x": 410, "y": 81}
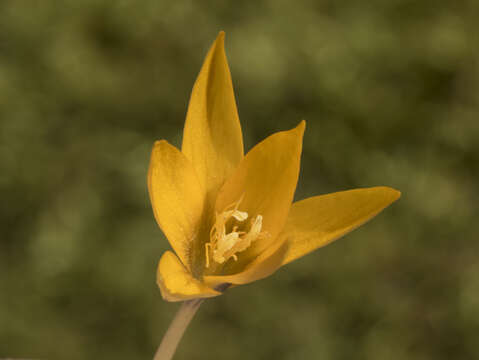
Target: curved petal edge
{"x": 263, "y": 266}
{"x": 177, "y": 284}
{"x": 317, "y": 221}
{"x": 212, "y": 137}
{"x": 177, "y": 198}
{"x": 265, "y": 181}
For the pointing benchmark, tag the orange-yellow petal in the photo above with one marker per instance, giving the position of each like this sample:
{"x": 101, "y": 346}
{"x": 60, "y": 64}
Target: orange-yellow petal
{"x": 212, "y": 138}
{"x": 317, "y": 221}
{"x": 177, "y": 284}
{"x": 265, "y": 181}
{"x": 177, "y": 198}
{"x": 264, "y": 265}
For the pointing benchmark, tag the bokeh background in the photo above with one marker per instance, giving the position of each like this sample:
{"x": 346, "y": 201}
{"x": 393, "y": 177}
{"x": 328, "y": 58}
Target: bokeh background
{"x": 390, "y": 92}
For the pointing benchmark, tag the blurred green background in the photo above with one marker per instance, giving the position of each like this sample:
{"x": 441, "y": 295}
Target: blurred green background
{"x": 390, "y": 92}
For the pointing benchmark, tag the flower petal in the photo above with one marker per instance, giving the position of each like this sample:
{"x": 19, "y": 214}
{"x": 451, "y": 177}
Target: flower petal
{"x": 177, "y": 198}
{"x": 264, "y": 265}
{"x": 317, "y": 221}
{"x": 212, "y": 138}
{"x": 177, "y": 284}
{"x": 265, "y": 180}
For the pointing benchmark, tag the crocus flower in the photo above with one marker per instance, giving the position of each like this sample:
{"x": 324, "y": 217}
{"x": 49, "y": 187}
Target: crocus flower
{"x": 230, "y": 217}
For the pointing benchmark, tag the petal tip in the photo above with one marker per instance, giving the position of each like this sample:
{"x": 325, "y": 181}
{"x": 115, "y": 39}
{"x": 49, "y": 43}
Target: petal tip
{"x": 301, "y": 126}
{"x": 395, "y": 194}
{"x": 220, "y": 41}
{"x": 163, "y": 145}
{"x": 159, "y": 143}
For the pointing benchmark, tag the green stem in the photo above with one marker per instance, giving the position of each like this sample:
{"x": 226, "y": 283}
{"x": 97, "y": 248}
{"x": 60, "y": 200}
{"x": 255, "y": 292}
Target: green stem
{"x": 177, "y": 328}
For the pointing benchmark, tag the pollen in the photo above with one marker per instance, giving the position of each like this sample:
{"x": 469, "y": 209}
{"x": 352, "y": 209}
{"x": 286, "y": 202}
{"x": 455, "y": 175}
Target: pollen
{"x": 231, "y": 234}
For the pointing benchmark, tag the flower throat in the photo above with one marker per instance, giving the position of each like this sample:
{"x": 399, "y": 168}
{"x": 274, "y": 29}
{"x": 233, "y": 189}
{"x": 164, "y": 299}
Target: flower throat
{"x": 225, "y": 244}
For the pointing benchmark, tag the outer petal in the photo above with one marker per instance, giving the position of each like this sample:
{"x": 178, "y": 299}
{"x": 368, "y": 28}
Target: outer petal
{"x": 317, "y": 221}
{"x": 212, "y": 137}
{"x": 177, "y": 284}
{"x": 266, "y": 179}
{"x": 176, "y": 196}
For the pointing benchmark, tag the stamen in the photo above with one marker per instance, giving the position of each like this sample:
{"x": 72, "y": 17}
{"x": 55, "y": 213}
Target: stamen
{"x": 240, "y": 215}
{"x": 225, "y": 245}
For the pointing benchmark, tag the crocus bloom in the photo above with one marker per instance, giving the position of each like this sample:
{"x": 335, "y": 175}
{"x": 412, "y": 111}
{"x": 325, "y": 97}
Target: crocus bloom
{"x": 229, "y": 217}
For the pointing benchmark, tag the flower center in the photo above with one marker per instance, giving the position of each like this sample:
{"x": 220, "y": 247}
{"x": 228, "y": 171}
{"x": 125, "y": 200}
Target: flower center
{"x": 226, "y": 238}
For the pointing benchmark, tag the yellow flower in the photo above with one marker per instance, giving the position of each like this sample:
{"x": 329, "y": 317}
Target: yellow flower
{"x": 228, "y": 217}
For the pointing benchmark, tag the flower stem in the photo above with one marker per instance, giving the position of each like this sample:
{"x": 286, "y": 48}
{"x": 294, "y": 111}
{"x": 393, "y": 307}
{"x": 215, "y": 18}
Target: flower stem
{"x": 177, "y": 328}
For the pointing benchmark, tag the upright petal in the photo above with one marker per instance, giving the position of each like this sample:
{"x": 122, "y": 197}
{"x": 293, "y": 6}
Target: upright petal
{"x": 265, "y": 181}
{"x": 317, "y": 221}
{"x": 177, "y": 284}
{"x": 212, "y": 138}
{"x": 177, "y": 197}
